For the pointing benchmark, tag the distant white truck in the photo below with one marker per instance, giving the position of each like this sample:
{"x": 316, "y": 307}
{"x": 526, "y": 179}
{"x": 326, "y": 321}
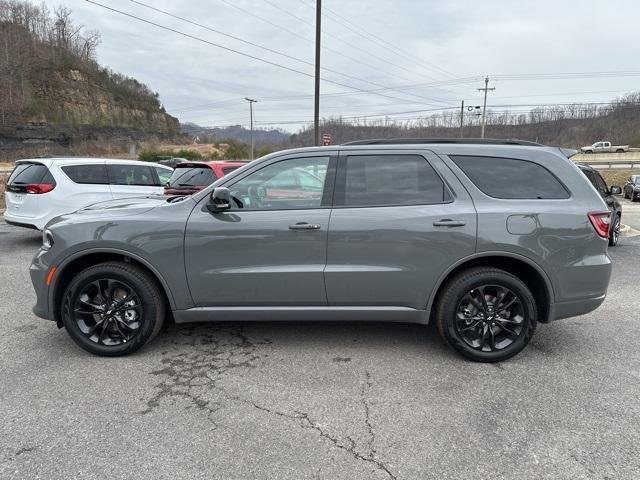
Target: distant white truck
{"x": 605, "y": 147}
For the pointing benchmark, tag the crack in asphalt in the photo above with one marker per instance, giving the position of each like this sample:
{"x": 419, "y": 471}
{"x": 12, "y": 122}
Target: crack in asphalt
{"x": 305, "y": 421}
{"x": 212, "y": 355}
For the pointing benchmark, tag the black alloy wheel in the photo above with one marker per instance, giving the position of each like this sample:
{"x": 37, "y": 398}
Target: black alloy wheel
{"x": 113, "y": 309}
{"x": 614, "y": 236}
{"x": 486, "y": 314}
{"x": 108, "y": 312}
{"x": 489, "y": 318}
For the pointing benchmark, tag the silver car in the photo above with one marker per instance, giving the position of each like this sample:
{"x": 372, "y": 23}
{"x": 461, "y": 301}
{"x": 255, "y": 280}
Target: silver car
{"x": 486, "y": 238}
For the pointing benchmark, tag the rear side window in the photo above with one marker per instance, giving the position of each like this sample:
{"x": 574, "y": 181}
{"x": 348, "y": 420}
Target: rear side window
{"x": 192, "y": 177}
{"x": 163, "y": 174}
{"x": 131, "y": 175}
{"x": 385, "y": 180}
{"x": 87, "y": 174}
{"x": 29, "y": 173}
{"x": 510, "y": 178}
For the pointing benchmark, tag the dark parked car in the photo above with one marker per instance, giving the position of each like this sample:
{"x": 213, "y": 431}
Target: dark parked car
{"x": 191, "y": 177}
{"x": 631, "y": 189}
{"x": 608, "y": 195}
{"x": 485, "y": 238}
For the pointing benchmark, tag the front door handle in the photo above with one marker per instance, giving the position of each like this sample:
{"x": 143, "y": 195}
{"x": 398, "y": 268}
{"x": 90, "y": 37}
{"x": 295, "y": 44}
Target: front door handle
{"x": 447, "y": 222}
{"x": 304, "y": 226}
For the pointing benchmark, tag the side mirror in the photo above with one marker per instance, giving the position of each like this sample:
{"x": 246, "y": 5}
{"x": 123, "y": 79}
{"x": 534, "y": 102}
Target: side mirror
{"x": 219, "y": 200}
{"x": 615, "y": 190}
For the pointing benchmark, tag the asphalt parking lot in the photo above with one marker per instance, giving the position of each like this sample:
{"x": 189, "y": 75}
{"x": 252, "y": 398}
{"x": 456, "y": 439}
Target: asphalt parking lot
{"x": 320, "y": 401}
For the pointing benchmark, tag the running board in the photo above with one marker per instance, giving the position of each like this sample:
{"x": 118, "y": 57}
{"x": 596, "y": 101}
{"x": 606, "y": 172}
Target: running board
{"x": 313, "y": 314}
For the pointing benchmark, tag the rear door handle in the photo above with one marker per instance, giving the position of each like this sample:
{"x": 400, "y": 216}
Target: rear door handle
{"x": 447, "y": 222}
{"x": 304, "y": 226}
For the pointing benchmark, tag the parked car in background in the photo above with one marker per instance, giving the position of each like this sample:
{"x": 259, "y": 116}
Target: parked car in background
{"x": 42, "y": 188}
{"x": 172, "y": 162}
{"x": 605, "y": 147}
{"x": 191, "y": 177}
{"x": 607, "y": 194}
{"x": 631, "y": 189}
{"x": 485, "y": 238}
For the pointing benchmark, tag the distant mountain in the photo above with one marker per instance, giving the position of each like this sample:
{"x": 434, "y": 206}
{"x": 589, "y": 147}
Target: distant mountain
{"x": 235, "y": 132}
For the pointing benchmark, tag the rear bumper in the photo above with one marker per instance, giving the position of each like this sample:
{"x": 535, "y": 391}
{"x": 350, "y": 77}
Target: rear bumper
{"x": 576, "y": 307}
{"x": 37, "y": 223}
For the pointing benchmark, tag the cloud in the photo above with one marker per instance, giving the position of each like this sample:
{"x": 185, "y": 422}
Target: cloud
{"x": 429, "y": 37}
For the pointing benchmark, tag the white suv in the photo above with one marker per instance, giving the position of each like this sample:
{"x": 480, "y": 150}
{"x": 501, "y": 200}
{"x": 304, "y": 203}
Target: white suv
{"x": 43, "y": 188}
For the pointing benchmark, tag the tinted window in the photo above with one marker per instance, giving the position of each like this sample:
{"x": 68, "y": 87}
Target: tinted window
{"x": 94, "y": 174}
{"x": 601, "y": 185}
{"x": 390, "y": 180}
{"x": 192, "y": 177}
{"x": 635, "y": 178}
{"x": 163, "y": 174}
{"x": 131, "y": 175}
{"x": 511, "y": 178}
{"x": 26, "y": 173}
{"x": 284, "y": 185}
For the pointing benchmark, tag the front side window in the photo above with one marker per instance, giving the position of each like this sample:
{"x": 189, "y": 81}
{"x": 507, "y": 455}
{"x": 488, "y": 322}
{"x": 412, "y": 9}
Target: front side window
{"x": 87, "y": 174}
{"x": 285, "y": 185}
{"x": 386, "y": 180}
{"x": 131, "y": 175}
{"x": 510, "y": 178}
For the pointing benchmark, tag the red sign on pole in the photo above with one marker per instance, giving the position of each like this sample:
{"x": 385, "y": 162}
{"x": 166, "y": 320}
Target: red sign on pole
{"x": 326, "y": 139}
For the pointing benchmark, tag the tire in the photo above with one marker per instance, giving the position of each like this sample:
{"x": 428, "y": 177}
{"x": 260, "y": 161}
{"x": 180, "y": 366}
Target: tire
{"x": 121, "y": 330}
{"x": 589, "y": 151}
{"x": 619, "y": 150}
{"x": 614, "y": 235}
{"x": 522, "y": 314}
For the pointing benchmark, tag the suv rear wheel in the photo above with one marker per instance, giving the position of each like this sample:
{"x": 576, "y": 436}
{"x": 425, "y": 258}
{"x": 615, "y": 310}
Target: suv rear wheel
{"x": 486, "y": 314}
{"x": 113, "y": 309}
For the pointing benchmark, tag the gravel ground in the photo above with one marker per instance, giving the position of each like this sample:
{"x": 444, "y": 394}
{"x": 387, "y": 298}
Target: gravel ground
{"x": 320, "y": 401}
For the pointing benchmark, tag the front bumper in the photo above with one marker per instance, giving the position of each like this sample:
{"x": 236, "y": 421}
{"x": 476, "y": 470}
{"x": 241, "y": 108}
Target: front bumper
{"x": 38, "y": 271}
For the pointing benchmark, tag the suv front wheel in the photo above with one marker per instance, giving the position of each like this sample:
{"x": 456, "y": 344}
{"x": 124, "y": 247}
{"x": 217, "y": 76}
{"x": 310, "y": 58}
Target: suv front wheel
{"x": 486, "y": 314}
{"x": 113, "y": 309}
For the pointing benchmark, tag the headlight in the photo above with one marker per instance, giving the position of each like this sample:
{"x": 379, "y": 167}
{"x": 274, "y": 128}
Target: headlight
{"x": 47, "y": 239}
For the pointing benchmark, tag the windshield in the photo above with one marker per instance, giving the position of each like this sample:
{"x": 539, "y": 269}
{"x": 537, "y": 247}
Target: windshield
{"x": 191, "y": 177}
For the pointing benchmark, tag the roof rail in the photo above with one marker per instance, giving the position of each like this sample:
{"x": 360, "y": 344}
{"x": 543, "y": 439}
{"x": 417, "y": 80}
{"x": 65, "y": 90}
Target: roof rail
{"x": 459, "y": 141}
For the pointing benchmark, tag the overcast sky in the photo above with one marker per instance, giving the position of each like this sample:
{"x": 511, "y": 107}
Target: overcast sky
{"x": 389, "y": 44}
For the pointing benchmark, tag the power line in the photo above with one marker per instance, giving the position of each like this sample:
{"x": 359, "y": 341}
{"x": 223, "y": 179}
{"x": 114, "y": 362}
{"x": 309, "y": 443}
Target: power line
{"x": 358, "y": 30}
{"x": 351, "y": 77}
{"x": 335, "y": 37}
{"x": 193, "y": 37}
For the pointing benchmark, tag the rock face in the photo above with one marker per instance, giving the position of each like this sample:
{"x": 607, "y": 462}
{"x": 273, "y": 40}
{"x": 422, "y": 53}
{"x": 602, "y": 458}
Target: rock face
{"x": 76, "y": 99}
{"x": 72, "y": 107}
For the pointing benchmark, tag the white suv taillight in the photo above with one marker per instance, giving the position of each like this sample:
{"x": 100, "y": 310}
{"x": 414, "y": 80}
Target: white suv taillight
{"x": 600, "y": 222}
{"x": 38, "y": 188}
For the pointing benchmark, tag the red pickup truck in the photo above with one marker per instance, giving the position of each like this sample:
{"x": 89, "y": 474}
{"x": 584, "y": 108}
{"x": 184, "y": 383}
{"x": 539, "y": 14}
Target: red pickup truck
{"x": 191, "y": 177}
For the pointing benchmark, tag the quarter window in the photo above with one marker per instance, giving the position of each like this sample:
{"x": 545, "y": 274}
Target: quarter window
{"x": 511, "y": 178}
{"x": 163, "y": 175}
{"x": 385, "y": 180}
{"x": 286, "y": 185}
{"x": 87, "y": 174}
{"x": 131, "y": 175}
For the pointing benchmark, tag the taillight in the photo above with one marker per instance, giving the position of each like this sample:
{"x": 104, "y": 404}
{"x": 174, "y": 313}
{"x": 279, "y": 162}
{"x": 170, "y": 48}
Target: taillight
{"x": 39, "y": 187}
{"x": 600, "y": 222}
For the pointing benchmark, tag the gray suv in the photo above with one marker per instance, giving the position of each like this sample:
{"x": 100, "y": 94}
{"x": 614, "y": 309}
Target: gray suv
{"x": 486, "y": 238}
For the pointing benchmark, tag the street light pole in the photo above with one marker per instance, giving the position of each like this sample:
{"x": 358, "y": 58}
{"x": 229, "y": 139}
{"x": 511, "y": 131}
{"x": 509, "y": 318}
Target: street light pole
{"x": 251, "y": 102}
{"x": 316, "y": 105}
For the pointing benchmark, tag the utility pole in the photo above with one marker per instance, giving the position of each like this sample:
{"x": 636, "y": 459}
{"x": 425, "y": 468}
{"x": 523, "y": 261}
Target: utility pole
{"x": 251, "y": 102}
{"x": 462, "y": 119}
{"x": 484, "y": 107}
{"x": 316, "y": 106}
